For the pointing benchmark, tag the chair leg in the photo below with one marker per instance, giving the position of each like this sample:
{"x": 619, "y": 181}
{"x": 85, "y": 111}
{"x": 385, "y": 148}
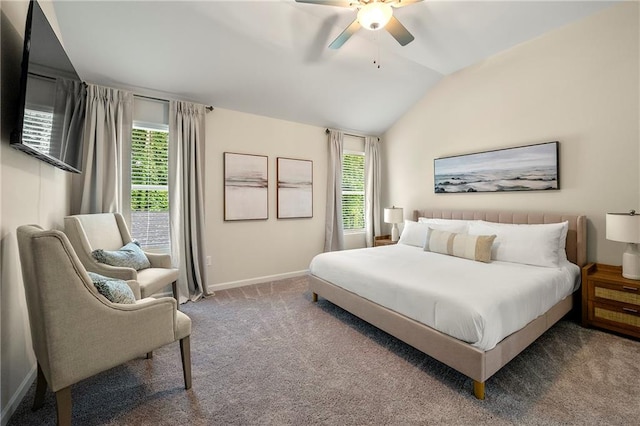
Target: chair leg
{"x": 63, "y": 406}
{"x": 41, "y": 388}
{"x": 185, "y": 353}
{"x": 149, "y": 355}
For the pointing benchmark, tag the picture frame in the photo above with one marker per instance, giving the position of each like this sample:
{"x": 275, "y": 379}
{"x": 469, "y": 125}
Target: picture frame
{"x": 246, "y": 187}
{"x": 524, "y": 168}
{"x": 295, "y": 188}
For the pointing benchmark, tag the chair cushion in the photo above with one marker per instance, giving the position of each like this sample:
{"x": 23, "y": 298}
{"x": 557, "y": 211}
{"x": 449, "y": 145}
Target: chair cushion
{"x": 129, "y": 256}
{"x": 152, "y": 280}
{"x": 115, "y": 290}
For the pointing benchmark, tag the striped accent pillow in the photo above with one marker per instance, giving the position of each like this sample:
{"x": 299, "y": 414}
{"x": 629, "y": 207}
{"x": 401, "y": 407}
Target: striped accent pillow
{"x": 473, "y": 247}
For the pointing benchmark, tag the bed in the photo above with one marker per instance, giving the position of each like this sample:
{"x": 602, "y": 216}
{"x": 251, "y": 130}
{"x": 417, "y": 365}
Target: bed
{"x": 478, "y": 360}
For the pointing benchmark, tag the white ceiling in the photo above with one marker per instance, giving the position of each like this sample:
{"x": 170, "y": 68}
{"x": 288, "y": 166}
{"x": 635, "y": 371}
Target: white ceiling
{"x": 271, "y": 58}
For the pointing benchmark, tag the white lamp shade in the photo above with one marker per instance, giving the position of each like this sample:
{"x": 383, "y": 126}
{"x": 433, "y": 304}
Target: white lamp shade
{"x": 624, "y": 227}
{"x": 393, "y": 215}
{"x": 374, "y": 16}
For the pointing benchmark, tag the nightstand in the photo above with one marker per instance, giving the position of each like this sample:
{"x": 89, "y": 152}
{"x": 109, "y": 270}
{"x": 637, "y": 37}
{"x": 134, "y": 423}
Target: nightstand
{"x": 383, "y": 240}
{"x": 609, "y": 300}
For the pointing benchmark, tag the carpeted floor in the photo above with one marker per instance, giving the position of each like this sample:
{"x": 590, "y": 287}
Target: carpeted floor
{"x": 267, "y": 355}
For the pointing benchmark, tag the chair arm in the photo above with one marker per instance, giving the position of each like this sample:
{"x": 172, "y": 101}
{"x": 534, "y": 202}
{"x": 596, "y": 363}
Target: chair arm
{"x": 108, "y": 335}
{"x": 135, "y": 287}
{"x": 159, "y": 260}
{"x": 145, "y": 303}
{"x": 119, "y": 272}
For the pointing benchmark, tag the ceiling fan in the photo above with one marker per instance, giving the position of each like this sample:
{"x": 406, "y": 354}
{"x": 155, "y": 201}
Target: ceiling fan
{"x": 372, "y": 15}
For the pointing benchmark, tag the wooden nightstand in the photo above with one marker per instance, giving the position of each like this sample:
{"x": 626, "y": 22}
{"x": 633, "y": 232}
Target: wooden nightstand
{"x": 383, "y": 240}
{"x": 609, "y": 300}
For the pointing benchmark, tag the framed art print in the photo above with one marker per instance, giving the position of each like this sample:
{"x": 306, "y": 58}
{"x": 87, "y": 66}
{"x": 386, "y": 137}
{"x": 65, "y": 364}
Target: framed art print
{"x": 525, "y": 168}
{"x": 295, "y": 188}
{"x": 246, "y": 187}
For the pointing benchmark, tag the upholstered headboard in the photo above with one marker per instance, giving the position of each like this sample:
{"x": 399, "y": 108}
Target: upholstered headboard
{"x": 576, "y": 237}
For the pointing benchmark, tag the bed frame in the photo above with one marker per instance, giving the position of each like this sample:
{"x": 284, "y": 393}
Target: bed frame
{"x": 477, "y": 364}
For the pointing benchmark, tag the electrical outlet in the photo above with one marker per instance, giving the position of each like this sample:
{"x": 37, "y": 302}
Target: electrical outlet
{"x": 208, "y": 260}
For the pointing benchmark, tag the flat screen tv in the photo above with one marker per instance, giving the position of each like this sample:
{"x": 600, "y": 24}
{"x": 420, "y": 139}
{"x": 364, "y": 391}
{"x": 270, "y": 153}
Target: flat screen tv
{"x": 52, "y": 98}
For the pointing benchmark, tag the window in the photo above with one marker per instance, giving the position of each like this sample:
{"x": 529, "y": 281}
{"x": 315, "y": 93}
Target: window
{"x": 38, "y": 114}
{"x": 37, "y": 129}
{"x": 150, "y": 187}
{"x": 353, "y": 191}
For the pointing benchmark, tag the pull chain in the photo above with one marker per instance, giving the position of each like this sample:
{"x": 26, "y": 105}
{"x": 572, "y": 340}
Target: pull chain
{"x": 376, "y": 59}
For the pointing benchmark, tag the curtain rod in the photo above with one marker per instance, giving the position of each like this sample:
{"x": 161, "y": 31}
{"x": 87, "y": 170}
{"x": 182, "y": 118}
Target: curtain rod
{"x": 348, "y": 134}
{"x": 207, "y": 107}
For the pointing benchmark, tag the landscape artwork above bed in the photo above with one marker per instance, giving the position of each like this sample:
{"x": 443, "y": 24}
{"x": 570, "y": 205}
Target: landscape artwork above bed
{"x": 525, "y": 168}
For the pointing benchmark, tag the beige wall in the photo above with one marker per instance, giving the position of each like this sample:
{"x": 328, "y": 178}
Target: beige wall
{"x": 30, "y": 192}
{"x": 577, "y": 85}
{"x": 247, "y": 251}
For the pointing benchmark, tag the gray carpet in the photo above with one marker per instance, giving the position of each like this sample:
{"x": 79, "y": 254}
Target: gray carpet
{"x": 267, "y": 355}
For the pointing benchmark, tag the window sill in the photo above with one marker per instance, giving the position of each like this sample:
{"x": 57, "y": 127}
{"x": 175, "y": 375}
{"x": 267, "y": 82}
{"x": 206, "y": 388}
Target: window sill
{"x": 354, "y": 232}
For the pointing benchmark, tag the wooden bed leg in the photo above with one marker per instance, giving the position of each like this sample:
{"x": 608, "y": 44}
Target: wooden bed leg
{"x": 478, "y": 389}
{"x": 314, "y": 297}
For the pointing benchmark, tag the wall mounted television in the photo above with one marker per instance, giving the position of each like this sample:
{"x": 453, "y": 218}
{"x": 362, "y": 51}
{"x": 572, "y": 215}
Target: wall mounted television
{"x": 52, "y": 98}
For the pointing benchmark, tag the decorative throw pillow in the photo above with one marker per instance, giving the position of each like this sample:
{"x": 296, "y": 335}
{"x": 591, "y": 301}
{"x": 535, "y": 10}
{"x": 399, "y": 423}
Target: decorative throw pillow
{"x": 115, "y": 290}
{"x": 129, "y": 256}
{"x": 473, "y": 247}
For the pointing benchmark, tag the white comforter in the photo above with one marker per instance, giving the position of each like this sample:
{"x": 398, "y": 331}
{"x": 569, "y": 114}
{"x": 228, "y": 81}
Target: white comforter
{"x": 479, "y": 303}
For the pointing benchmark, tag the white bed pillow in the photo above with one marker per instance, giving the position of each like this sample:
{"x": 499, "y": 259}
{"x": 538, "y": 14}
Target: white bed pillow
{"x": 562, "y": 246}
{"x": 463, "y": 224}
{"x": 537, "y": 244}
{"x": 415, "y": 233}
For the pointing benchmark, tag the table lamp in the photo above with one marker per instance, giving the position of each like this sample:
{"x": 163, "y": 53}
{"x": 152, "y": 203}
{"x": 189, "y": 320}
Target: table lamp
{"x": 395, "y": 216}
{"x": 625, "y": 227}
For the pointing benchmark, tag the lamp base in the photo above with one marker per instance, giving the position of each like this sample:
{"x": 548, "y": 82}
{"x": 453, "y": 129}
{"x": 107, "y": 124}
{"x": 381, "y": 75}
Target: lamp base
{"x": 394, "y": 233}
{"x": 631, "y": 262}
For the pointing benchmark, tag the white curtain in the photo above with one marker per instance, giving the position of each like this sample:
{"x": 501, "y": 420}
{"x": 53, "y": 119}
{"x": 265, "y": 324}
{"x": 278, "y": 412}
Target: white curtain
{"x": 372, "y": 183}
{"x": 334, "y": 233}
{"x": 68, "y": 111}
{"x": 186, "y": 197}
{"x": 108, "y": 126}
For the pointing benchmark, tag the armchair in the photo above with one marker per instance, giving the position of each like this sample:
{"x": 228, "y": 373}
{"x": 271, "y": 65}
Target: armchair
{"x": 76, "y": 332}
{"x": 108, "y": 231}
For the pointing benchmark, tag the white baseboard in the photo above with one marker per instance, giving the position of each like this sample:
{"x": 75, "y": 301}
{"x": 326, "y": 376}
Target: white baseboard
{"x": 17, "y": 397}
{"x": 241, "y": 283}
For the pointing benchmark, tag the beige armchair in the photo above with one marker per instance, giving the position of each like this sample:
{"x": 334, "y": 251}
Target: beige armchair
{"x": 108, "y": 231}
{"x": 76, "y": 332}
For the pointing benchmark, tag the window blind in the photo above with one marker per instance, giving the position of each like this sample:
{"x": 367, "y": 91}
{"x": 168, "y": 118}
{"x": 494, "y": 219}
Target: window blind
{"x": 353, "y": 191}
{"x": 149, "y": 187}
{"x": 37, "y": 128}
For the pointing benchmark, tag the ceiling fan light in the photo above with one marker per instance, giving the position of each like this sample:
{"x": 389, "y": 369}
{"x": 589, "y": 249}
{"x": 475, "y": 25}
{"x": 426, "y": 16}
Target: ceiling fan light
{"x": 375, "y": 15}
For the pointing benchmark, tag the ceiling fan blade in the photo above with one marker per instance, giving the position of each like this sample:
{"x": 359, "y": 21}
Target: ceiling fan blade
{"x": 339, "y": 3}
{"x": 399, "y": 32}
{"x": 401, "y": 3}
{"x": 344, "y": 36}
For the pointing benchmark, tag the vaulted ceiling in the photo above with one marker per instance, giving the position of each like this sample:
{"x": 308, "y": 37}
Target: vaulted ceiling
{"x": 271, "y": 58}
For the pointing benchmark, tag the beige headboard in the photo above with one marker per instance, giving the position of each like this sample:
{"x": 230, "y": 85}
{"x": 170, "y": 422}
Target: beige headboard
{"x": 576, "y": 237}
